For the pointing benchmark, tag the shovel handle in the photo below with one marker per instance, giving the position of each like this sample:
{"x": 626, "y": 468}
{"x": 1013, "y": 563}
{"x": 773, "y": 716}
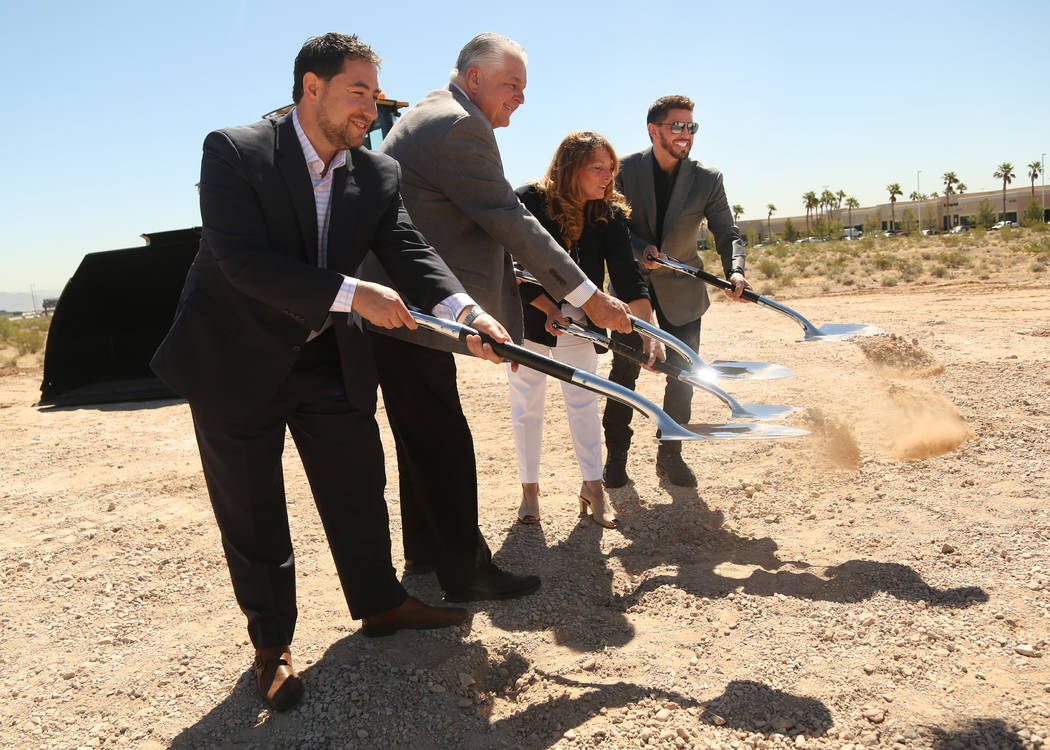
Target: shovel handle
{"x": 749, "y": 294}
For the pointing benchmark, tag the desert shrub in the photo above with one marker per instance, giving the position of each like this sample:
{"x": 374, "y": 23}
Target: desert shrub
{"x": 769, "y": 268}
{"x": 883, "y": 261}
{"x": 867, "y": 243}
{"x": 953, "y": 259}
{"x": 939, "y": 271}
{"x": 1037, "y": 267}
{"x": 787, "y": 279}
{"x": 779, "y": 251}
{"x": 890, "y": 279}
{"x": 926, "y": 255}
{"x": 801, "y": 264}
{"x": 25, "y": 335}
{"x": 1033, "y": 213}
{"x": 1006, "y": 234}
{"x": 768, "y": 290}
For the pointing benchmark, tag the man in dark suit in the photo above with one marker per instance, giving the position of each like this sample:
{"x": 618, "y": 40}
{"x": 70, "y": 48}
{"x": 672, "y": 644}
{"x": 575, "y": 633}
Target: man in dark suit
{"x": 268, "y": 335}
{"x": 455, "y": 189}
{"x": 670, "y": 194}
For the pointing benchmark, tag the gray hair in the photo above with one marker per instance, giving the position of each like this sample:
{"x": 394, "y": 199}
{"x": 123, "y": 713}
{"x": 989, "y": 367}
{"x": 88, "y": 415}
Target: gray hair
{"x": 485, "y": 49}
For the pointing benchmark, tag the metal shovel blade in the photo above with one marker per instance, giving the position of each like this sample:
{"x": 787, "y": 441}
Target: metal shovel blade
{"x": 840, "y": 332}
{"x": 744, "y": 431}
{"x": 728, "y": 370}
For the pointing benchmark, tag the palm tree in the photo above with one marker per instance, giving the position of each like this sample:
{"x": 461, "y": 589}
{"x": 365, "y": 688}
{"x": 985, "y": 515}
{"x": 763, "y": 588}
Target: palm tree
{"x": 960, "y": 188}
{"x": 894, "y": 190}
{"x": 949, "y": 179}
{"x": 1004, "y": 172}
{"x": 827, "y": 199}
{"x": 1035, "y": 169}
{"x": 839, "y": 197}
{"x": 737, "y": 210}
{"x": 769, "y": 220}
{"x": 852, "y": 203}
{"x": 809, "y": 200}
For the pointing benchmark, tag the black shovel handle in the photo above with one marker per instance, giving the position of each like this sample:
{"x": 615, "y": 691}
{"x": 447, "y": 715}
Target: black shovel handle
{"x": 749, "y": 294}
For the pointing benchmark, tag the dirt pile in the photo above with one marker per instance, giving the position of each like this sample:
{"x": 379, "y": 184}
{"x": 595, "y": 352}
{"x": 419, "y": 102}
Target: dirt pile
{"x": 900, "y": 356}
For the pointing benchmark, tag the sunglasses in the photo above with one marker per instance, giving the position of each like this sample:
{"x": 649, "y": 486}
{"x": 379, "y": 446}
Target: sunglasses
{"x": 678, "y": 126}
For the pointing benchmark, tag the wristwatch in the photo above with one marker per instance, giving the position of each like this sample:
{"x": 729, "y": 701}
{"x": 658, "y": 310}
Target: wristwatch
{"x": 473, "y": 315}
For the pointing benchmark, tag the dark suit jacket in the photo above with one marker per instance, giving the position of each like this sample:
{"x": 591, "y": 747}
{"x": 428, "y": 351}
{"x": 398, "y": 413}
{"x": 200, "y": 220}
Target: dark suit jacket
{"x": 697, "y": 194}
{"x": 254, "y": 293}
{"x": 601, "y": 244}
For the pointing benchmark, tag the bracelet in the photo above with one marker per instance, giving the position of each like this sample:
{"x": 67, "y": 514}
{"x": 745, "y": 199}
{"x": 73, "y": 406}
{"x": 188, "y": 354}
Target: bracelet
{"x": 473, "y": 315}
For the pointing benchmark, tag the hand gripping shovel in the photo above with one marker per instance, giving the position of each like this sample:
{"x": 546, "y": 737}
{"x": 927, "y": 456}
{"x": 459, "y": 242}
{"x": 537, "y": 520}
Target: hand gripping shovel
{"x": 666, "y": 428}
{"x": 700, "y": 370}
{"x": 737, "y": 409}
{"x": 826, "y": 332}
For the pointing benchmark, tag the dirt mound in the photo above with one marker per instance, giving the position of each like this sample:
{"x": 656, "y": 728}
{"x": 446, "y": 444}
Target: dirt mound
{"x": 923, "y": 423}
{"x": 1043, "y": 330}
{"x": 840, "y": 444}
{"x": 903, "y": 357}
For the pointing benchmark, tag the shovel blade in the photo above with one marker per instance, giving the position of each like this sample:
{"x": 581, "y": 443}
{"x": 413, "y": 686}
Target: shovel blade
{"x": 840, "y": 332}
{"x": 763, "y": 412}
{"x": 744, "y": 431}
{"x": 750, "y": 370}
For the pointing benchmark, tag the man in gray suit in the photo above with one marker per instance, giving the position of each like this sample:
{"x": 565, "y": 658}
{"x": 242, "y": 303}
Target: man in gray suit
{"x": 670, "y": 194}
{"x": 455, "y": 190}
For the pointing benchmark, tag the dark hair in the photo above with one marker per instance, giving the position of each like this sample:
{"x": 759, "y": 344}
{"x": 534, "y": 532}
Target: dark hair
{"x": 325, "y": 55}
{"x": 658, "y": 110}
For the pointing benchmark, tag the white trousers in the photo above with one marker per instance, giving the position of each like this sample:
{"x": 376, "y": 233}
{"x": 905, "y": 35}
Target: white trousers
{"x": 527, "y": 395}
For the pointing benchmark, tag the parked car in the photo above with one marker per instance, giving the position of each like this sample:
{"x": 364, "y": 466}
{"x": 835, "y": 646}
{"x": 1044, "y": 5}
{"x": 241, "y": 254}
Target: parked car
{"x": 929, "y": 231}
{"x": 1001, "y": 224}
{"x": 959, "y": 228}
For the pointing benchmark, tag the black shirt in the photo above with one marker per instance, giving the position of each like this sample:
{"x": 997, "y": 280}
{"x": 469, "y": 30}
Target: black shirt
{"x": 663, "y": 183}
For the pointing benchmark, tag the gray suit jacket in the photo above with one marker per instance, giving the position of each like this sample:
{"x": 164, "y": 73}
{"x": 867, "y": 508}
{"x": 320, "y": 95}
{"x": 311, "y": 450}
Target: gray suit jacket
{"x": 455, "y": 191}
{"x": 697, "y": 194}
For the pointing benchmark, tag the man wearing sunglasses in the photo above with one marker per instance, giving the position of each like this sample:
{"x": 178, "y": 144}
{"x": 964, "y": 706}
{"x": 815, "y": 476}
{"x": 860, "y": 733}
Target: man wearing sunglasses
{"x": 670, "y": 195}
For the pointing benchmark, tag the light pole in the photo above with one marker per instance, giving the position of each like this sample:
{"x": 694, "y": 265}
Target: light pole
{"x": 918, "y": 201}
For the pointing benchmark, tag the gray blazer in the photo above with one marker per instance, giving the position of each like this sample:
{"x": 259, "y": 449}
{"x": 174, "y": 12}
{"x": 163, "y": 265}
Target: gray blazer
{"x": 455, "y": 191}
{"x": 697, "y": 194}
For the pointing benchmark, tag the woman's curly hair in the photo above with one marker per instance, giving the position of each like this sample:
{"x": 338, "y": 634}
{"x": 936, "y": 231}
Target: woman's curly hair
{"x": 561, "y": 188}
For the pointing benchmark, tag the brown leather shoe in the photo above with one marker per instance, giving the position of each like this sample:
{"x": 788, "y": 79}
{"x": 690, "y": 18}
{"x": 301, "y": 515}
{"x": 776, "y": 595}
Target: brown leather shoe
{"x": 412, "y": 615}
{"x": 278, "y": 683}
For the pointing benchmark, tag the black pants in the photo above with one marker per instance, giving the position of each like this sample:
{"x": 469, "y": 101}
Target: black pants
{"x": 343, "y": 459}
{"x": 437, "y": 475}
{"x": 678, "y": 396}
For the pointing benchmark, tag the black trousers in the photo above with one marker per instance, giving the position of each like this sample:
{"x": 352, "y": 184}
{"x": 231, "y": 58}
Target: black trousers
{"x": 678, "y": 396}
{"x": 342, "y": 455}
{"x": 437, "y": 474}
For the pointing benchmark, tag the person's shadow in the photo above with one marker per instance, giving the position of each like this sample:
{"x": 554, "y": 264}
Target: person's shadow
{"x": 691, "y": 537}
{"x": 420, "y": 690}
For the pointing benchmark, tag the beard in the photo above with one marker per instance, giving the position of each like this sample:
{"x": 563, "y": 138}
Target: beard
{"x": 341, "y": 135}
{"x": 674, "y": 151}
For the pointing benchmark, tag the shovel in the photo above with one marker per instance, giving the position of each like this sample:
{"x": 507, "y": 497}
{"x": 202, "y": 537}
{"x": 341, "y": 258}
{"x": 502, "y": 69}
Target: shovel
{"x": 826, "y": 332}
{"x": 666, "y": 428}
{"x": 700, "y": 370}
{"x": 737, "y": 409}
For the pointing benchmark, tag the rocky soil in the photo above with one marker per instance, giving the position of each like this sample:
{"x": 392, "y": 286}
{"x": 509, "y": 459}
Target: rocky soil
{"x": 881, "y": 583}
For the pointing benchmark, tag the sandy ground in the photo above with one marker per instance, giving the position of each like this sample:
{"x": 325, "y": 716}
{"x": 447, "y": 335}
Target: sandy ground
{"x": 883, "y": 582}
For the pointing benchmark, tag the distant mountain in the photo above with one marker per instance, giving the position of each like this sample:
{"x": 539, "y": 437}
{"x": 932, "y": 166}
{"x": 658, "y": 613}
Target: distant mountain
{"x": 23, "y": 301}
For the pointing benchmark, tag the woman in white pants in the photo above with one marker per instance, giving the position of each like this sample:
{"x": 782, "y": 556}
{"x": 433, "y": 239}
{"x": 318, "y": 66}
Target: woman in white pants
{"x": 577, "y": 202}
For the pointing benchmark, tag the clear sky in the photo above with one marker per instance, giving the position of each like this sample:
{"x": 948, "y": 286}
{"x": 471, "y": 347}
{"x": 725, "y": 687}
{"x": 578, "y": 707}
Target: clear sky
{"x": 109, "y": 102}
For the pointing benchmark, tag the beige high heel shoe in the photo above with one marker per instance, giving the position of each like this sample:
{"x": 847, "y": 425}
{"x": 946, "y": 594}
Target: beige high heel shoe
{"x": 593, "y": 498}
{"x": 529, "y": 510}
